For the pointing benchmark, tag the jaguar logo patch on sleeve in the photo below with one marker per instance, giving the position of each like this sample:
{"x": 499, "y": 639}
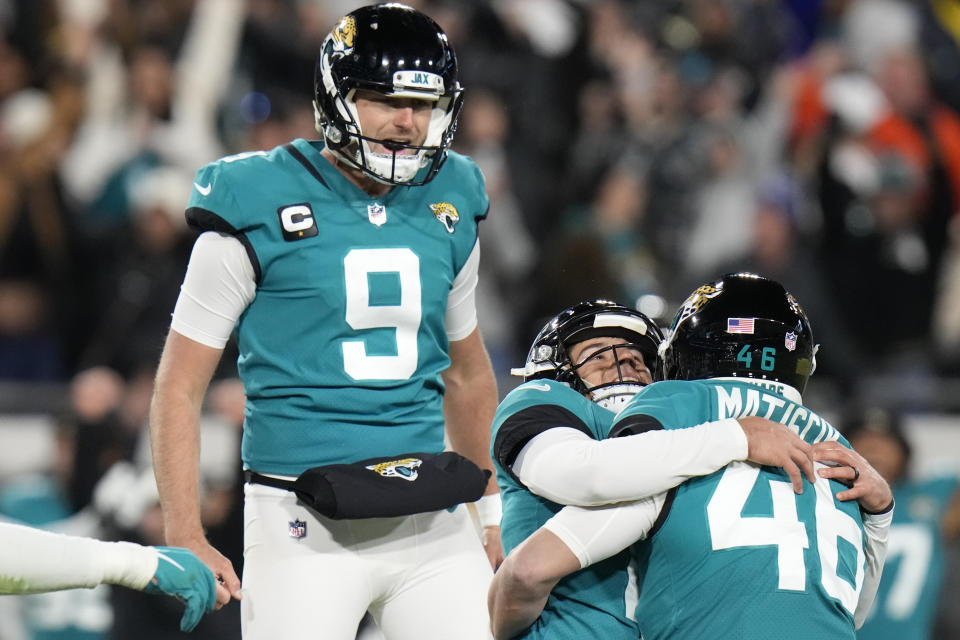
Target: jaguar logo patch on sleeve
{"x": 446, "y": 213}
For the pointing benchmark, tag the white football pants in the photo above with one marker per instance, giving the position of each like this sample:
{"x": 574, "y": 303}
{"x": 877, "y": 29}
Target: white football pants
{"x": 422, "y": 577}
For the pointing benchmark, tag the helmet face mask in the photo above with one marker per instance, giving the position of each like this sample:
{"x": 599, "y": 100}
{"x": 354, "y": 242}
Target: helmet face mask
{"x": 743, "y": 325}
{"x": 395, "y": 51}
{"x": 550, "y": 354}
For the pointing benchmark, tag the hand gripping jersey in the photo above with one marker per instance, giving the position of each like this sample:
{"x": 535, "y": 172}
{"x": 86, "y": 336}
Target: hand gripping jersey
{"x": 341, "y": 349}
{"x": 596, "y": 602}
{"x": 909, "y": 593}
{"x": 737, "y": 554}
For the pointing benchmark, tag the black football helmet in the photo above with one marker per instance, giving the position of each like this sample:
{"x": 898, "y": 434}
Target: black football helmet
{"x": 742, "y": 325}
{"x": 549, "y": 356}
{"x": 397, "y": 51}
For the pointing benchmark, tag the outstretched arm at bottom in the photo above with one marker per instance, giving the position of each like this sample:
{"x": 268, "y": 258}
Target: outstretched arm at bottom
{"x": 35, "y": 561}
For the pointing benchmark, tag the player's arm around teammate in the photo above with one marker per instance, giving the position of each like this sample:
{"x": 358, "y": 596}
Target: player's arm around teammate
{"x": 547, "y": 441}
{"x": 577, "y": 538}
{"x": 528, "y": 574}
{"x": 469, "y": 405}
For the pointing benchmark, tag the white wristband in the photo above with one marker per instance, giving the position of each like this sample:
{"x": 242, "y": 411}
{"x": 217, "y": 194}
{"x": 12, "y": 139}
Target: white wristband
{"x": 489, "y": 510}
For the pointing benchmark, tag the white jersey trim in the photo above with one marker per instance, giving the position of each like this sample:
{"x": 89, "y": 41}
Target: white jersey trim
{"x": 462, "y": 301}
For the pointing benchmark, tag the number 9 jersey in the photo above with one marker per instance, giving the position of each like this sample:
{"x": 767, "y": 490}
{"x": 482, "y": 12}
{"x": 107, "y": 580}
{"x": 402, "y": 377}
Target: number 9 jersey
{"x": 342, "y": 347}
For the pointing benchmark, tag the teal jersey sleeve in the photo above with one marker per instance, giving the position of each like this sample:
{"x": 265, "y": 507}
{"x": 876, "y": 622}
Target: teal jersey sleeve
{"x": 219, "y": 187}
{"x": 535, "y": 407}
{"x": 214, "y": 203}
{"x": 213, "y": 191}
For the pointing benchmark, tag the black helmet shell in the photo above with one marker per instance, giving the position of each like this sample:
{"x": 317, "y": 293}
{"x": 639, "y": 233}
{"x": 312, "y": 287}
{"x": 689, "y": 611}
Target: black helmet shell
{"x": 394, "y": 50}
{"x": 549, "y": 355}
{"x": 742, "y": 325}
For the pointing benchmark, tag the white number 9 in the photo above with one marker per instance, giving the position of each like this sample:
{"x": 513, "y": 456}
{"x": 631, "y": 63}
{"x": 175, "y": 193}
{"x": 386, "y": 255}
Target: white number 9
{"x": 360, "y": 314}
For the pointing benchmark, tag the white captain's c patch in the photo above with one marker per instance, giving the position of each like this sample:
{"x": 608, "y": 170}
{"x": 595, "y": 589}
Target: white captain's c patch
{"x": 405, "y": 468}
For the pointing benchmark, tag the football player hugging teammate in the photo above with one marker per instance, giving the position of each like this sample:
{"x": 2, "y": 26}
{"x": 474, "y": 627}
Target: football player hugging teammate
{"x": 730, "y": 536}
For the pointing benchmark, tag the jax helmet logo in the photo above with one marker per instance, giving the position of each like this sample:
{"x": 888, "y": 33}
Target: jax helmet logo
{"x": 446, "y": 213}
{"x": 405, "y": 468}
{"x": 696, "y": 300}
{"x": 343, "y": 35}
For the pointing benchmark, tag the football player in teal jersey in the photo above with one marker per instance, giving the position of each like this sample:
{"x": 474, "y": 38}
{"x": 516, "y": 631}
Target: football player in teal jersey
{"x": 734, "y": 553}
{"x": 347, "y": 268}
{"x": 927, "y": 514}
{"x": 550, "y": 450}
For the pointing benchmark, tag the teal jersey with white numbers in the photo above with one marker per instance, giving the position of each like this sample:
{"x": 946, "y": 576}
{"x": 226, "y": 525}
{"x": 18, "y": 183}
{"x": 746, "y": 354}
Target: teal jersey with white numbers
{"x": 596, "y": 602}
{"x": 342, "y": 348}
{"x": 906, "y": 604}
{"x": 737, "y": 554}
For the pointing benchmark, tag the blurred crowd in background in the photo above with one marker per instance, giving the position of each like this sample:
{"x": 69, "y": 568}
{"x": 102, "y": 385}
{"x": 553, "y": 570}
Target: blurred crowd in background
{"x": 632, "y": 150}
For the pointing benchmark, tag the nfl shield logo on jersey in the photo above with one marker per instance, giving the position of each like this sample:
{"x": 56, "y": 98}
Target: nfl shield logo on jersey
{"x": 297, "y": 529}
{"x": 376, "y": 213}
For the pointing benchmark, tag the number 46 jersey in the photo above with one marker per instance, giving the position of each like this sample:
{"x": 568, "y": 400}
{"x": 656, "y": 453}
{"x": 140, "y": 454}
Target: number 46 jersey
{"x": 342, "y": 347}
{"x": 737, "y": 554}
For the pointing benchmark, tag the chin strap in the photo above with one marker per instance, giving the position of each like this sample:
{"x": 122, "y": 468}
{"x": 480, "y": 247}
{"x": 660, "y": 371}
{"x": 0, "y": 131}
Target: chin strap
{"x": 613, "y": 397}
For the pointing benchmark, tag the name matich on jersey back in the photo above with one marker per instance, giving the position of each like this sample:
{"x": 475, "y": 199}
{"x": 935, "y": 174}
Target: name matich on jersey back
{"x": 736, "y": 401}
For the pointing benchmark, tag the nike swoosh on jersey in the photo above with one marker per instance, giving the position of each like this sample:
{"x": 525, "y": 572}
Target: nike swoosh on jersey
{"x": 204, "y": 191}
{"x": 538, "y": 387}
